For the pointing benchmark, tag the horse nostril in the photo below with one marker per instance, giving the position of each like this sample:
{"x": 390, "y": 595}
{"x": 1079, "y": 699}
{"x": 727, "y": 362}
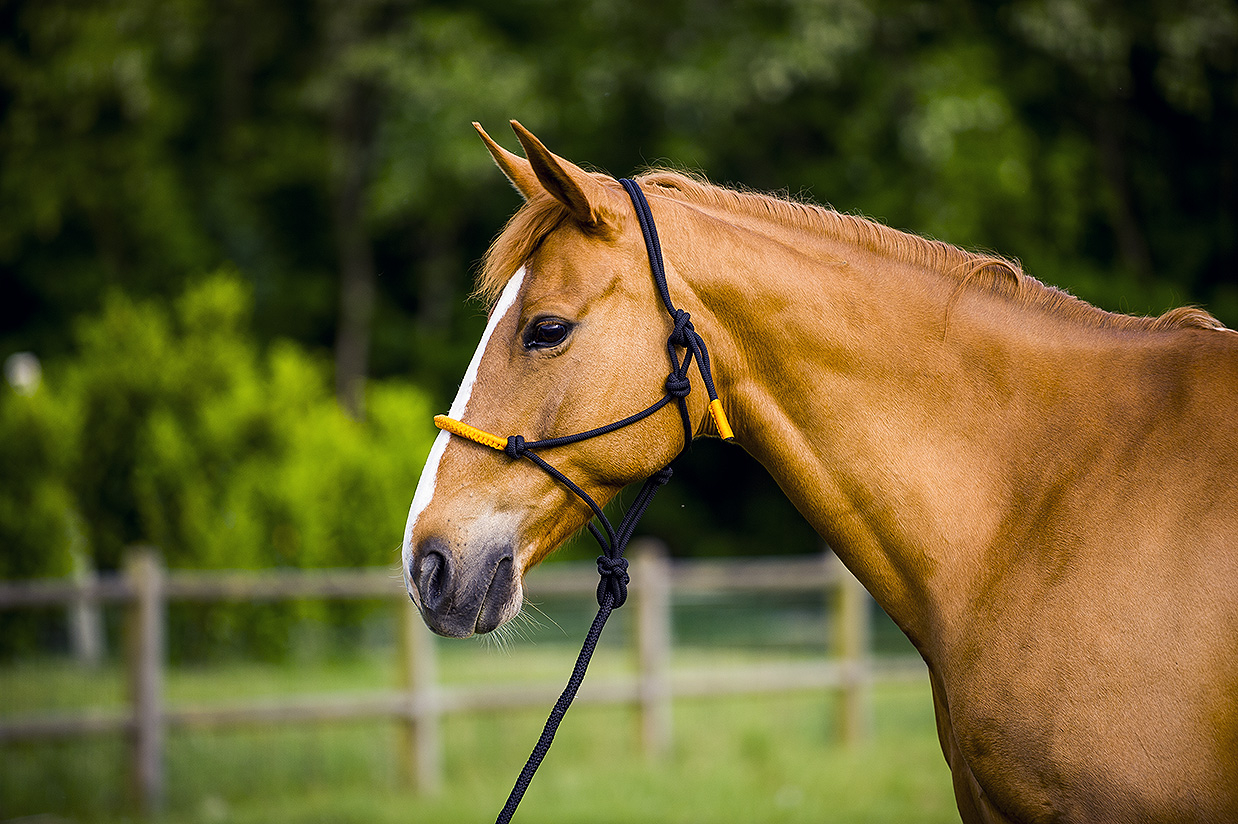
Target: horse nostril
{"x": 497, "y": 595}
{"x": 432, "y": 575}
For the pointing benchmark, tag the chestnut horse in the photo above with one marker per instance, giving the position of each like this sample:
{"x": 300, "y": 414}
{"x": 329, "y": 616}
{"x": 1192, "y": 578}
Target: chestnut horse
{"x": 1040, "y": 493}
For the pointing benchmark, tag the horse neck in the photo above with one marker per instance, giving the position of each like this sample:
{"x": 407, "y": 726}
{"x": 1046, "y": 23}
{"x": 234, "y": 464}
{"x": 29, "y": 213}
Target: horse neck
{"x": 876, "y": 418}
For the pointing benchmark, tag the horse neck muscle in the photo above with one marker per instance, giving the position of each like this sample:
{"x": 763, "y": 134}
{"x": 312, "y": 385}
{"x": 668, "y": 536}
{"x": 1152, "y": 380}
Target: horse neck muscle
{"x": 894, "y": 435}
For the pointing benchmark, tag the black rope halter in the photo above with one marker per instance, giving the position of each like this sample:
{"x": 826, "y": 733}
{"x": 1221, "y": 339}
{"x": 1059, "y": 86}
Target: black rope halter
{"x": 612, "y": 588}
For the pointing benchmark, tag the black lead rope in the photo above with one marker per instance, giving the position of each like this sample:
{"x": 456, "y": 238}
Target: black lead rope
{"x": 612, "y": 588}
{"x": 612, "y": 592}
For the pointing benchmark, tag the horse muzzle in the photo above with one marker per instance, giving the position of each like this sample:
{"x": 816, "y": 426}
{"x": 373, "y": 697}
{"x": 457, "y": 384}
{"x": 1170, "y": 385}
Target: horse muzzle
{"x": 462, "y": 593}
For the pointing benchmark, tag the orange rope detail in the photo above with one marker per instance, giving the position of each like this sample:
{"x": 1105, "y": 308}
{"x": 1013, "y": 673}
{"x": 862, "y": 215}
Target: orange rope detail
{"x": 474, "y": 434}
{"x": 724, "y": 426}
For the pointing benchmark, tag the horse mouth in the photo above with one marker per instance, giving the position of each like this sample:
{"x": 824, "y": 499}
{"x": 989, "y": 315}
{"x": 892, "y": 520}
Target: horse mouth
{"x": 457, "y": 606}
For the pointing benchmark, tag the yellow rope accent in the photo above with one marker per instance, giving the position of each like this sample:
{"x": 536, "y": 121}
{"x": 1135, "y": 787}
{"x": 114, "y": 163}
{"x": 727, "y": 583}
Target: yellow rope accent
{"x": 724, "y": 426}
{"x": 474, "y": 434}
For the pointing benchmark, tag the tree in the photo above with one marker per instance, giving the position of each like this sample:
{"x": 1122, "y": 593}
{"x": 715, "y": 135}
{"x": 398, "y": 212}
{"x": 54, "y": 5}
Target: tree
{"x": 324, "y": 149}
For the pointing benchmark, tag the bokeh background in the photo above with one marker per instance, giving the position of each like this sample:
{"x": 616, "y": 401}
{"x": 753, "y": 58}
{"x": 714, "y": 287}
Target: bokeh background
{"x": 237, "y": 238}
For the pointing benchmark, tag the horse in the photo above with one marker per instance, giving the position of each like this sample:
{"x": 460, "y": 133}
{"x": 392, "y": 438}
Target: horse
{"x": 1040, "y": 493}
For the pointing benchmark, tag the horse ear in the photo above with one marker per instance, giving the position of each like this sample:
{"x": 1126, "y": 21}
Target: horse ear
{"x": 518, "y": 170}
{"x": 587, "y": 200}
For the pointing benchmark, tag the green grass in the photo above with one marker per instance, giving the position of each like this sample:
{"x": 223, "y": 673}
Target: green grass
{"x": 744, "y": 759}
{"x": 736, "y": 759}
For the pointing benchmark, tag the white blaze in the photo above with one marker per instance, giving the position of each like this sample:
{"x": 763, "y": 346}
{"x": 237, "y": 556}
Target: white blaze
{"x": 429, "y": 475}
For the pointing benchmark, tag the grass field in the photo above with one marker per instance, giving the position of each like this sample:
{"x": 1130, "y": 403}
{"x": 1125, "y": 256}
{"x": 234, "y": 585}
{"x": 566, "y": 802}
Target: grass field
{"x": 735, "y": 759}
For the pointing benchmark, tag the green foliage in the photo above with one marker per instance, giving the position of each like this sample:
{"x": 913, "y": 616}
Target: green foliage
{"x": 225, "y": 457}
{"x": 39, "y": 520}
{"x": 143, "y": 141}
{"x": 146, "y": 141}
{"x": 171, "y": 427}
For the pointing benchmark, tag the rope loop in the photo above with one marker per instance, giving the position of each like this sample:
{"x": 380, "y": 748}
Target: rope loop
{"x": 515, "y": 447}
{"x": 614, "y": 580}
{"x": 678, "y": 385}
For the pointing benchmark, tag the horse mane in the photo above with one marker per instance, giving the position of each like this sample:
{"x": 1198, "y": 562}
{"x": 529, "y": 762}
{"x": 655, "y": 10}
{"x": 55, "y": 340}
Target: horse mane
{"x": 973, "y": 271}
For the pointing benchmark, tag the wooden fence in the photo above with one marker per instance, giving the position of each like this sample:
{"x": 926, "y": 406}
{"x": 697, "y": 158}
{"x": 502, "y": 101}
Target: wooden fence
{"x": 145, "y": 587}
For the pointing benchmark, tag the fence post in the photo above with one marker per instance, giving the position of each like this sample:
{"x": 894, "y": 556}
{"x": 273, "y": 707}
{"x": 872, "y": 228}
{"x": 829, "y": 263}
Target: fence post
{"x": 85, "y": 615}
{"x": 851, "y": 641}
{"x": 652, "y": 588}
{"x": 422, "y": 745}
{"x": 145, "y": 653}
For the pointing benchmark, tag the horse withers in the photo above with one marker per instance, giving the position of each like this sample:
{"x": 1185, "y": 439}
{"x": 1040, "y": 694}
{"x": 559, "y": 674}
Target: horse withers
{"x": 1040, "y": 493}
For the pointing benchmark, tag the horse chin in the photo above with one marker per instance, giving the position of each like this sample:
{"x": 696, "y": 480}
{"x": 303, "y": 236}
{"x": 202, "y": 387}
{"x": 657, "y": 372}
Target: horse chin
{"x": 458, "y": 600}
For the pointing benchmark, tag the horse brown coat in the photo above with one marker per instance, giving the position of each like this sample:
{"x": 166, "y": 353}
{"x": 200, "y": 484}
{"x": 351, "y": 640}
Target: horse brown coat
{"x": 1041, "y": 494}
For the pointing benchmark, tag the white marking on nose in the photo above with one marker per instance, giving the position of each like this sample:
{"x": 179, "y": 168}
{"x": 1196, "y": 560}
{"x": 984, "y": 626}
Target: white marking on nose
{"x": 429, "y": 475}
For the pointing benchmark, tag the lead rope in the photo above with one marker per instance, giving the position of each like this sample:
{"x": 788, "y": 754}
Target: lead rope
{"x": 611, "y": 593}
{"x": 612, "y": 589}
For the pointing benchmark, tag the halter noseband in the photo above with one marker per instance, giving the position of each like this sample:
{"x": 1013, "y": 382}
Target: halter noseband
{"x": 612, "y": 566}
{"x": 683, "y": 336}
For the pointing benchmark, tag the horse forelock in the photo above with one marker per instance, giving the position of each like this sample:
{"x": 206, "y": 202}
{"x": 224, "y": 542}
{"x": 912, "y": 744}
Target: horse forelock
{"x": 514, "y": 245}
{"x": 524, "y": 232}
{"x": 986, "y": 273}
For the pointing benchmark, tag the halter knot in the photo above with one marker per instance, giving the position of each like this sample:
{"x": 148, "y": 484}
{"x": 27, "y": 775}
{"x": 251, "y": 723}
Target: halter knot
{"x": 612, "y": 588}
{"x": 614, "y": 572}
{"x": 684, "y": 332}
{"x": 515, "y": 447}
{"x": 678, "y": 385}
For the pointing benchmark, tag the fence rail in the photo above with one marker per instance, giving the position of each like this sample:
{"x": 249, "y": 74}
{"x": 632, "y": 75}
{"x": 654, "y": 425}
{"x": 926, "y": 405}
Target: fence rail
{"x": 145, "y": 587}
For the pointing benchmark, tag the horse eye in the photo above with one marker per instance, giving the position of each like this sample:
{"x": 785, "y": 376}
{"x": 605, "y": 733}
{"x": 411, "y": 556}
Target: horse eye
{"x": 546, "y": 333}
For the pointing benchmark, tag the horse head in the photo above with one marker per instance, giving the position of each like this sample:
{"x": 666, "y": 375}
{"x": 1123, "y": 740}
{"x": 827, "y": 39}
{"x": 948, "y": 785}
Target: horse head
{"x": 575, "y": 340}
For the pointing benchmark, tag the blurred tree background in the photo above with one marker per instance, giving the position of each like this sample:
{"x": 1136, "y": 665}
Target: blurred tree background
{"x": 240, "y": 236}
